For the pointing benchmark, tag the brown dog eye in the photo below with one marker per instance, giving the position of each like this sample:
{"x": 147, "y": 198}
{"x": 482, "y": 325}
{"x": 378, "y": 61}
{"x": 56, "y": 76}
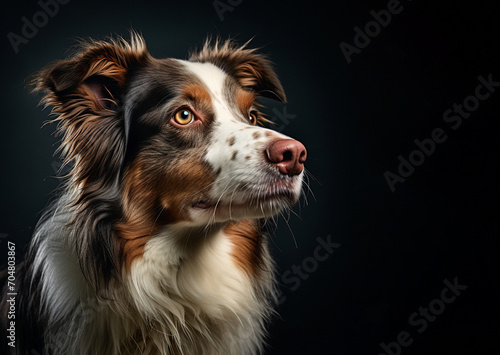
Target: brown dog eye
{"x": 184, "y": 117}
{"x": 252, "y": 117}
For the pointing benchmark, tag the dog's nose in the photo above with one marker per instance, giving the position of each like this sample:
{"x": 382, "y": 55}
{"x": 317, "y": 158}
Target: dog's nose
{"x": 288, "y": 155}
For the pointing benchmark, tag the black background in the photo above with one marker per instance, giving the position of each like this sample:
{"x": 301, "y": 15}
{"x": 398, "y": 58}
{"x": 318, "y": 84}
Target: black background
{"x": 396, "y": 248}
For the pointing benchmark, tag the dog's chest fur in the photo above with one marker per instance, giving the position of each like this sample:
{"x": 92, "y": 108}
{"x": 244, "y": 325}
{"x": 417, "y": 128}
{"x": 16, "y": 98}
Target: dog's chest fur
{"x": 182, "y": 291}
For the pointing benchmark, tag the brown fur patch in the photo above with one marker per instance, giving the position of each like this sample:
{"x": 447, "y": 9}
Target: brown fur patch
{"x": 256, "y": 135}
{"x": 231, "y": 140}
{"x": 140, "y": 206}
{"x": 198, "y": 93}
{"x": 245, "y": 236}
{"x": 245, "y": 100}
{"x": 157, "y": 197}
{"x": 183, "y": 183}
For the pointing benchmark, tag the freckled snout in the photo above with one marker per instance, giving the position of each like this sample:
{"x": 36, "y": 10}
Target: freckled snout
{"x": 288, "y": 155}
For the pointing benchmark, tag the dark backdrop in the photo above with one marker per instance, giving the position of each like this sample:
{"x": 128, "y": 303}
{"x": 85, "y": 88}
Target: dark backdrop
{"x": 432, "y": 242}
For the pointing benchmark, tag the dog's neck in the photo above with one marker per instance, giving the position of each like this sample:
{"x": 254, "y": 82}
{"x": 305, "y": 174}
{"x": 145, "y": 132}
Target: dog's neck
{"x": 188, "y": 276}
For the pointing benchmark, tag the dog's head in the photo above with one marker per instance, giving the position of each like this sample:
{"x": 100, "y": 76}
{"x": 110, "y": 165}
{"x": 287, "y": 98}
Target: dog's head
{"x": 178, "y": 142}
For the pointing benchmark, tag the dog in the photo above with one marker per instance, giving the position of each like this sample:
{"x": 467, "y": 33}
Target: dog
{"x": 155, "y": 242}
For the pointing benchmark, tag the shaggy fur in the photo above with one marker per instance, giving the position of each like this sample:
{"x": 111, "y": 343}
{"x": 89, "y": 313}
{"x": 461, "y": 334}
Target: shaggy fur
{"x": 154, "y": 244}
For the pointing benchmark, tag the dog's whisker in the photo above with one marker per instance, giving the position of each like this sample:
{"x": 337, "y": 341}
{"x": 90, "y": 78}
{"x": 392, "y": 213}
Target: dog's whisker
{"x": 291, "y": 232}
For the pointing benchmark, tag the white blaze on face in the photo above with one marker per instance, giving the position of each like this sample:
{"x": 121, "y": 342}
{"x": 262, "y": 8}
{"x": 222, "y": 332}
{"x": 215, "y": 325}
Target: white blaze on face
{"x": 237, "y": 151}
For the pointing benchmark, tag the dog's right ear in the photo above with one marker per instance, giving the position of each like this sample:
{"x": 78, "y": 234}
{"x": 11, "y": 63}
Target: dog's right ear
{"x": 85, "y": 93}
{"x": 97, "y": 72}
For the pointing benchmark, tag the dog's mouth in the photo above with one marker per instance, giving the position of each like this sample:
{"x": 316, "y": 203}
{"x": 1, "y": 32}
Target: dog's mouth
{"x": 203, "y": 204}
{"x": 278, "y": 193}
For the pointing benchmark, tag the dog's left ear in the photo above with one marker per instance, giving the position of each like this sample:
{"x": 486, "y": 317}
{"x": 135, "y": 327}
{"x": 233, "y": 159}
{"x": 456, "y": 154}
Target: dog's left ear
{"x": 252, "y": 70}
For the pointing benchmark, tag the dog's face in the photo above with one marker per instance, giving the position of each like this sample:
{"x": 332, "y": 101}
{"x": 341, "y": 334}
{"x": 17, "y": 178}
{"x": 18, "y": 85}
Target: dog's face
{"x": 182, "y": 138}
{"x": 209, "y": 159}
